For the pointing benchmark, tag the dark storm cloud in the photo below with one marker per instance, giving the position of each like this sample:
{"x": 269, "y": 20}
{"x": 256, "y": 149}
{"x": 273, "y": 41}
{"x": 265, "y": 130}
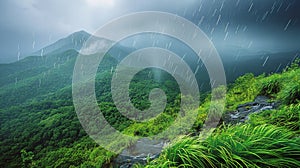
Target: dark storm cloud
{"x": 26, "y": 26}
{"x": 264, "y": 25}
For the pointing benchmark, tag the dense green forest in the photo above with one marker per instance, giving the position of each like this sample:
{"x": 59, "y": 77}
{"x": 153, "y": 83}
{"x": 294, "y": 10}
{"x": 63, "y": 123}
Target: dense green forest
{"x": 40, "y": 128}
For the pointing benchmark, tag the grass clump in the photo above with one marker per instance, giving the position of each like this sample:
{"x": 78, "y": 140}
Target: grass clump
{"x": 286, "y": 116}
{"x": 238, "y": 146}
{"x": 291, "y": 94}
{"x": 270, "y": 86}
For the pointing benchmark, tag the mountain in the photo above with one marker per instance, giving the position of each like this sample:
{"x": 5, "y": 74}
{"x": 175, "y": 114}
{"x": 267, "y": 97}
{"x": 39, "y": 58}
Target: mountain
{"x": 74, "y": 41}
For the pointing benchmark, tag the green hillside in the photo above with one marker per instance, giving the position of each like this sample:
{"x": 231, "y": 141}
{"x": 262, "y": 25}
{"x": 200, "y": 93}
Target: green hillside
{"x": 268, "y": 139}
{"x": 40, "y": 128}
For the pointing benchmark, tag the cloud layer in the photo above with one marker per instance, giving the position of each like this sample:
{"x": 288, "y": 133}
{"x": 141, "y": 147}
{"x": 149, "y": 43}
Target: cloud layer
{"x": 28, "y": 25}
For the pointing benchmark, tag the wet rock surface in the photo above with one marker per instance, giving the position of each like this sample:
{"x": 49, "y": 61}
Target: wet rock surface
{"x": 243, "y": 111}
{"x": 140, "y": 152}
{"x": 145, "y": 149}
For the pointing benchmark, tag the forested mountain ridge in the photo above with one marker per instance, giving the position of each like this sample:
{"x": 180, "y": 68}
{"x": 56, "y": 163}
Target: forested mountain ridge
{"x": 37, "y": 112}
{"x": 37, "y": 76}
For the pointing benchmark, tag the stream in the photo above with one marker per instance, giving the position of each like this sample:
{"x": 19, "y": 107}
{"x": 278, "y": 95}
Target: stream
{"x": 145, "y": 149}
{"x": 243, "y": 111}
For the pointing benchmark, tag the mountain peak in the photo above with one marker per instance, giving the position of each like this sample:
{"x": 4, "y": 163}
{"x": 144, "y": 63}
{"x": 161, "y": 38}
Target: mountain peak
{"x": 80, "y": 33}
{"x": 73, "y": 41}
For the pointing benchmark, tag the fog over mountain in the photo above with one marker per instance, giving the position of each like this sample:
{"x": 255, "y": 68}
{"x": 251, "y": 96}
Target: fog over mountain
{"x": 249, "y": 26}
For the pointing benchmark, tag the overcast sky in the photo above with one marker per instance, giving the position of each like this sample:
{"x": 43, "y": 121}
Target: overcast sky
{"x": 271, "y": 25}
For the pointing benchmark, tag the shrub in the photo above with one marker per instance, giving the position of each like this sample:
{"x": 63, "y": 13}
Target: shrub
{"x": 270, "y": 86}
{"x": 244, "y": 90}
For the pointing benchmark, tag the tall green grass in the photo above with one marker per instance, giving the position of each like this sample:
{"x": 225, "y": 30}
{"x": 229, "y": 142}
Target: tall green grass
{"x": 286, "y": 116}
{"x": 235, "y": 146}
{"x": 270, "y": 86}
{"x": 291, "y": 94}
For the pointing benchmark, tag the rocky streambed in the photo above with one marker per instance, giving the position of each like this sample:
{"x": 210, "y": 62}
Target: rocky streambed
{"x": 146, "y": 149}
{"x": 243, "y": 111}
{"x": 143, "y": 150}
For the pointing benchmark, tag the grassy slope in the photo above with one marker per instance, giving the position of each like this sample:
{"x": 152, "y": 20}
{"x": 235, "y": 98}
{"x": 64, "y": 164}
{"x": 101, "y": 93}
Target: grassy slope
{"x": 268, "y": 139}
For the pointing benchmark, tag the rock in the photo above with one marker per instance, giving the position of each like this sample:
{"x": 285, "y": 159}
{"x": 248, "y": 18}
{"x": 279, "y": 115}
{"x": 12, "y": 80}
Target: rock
{"x": 243, "y": 111}
{"x": 261, "y": 99}
{"x": 143, "y": 150}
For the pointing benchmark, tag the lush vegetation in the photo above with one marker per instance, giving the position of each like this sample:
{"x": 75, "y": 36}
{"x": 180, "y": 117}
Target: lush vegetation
{"x": 234, "y": 146}
{"x": 39, "y": 126}
{"x": 269, "y": 139}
